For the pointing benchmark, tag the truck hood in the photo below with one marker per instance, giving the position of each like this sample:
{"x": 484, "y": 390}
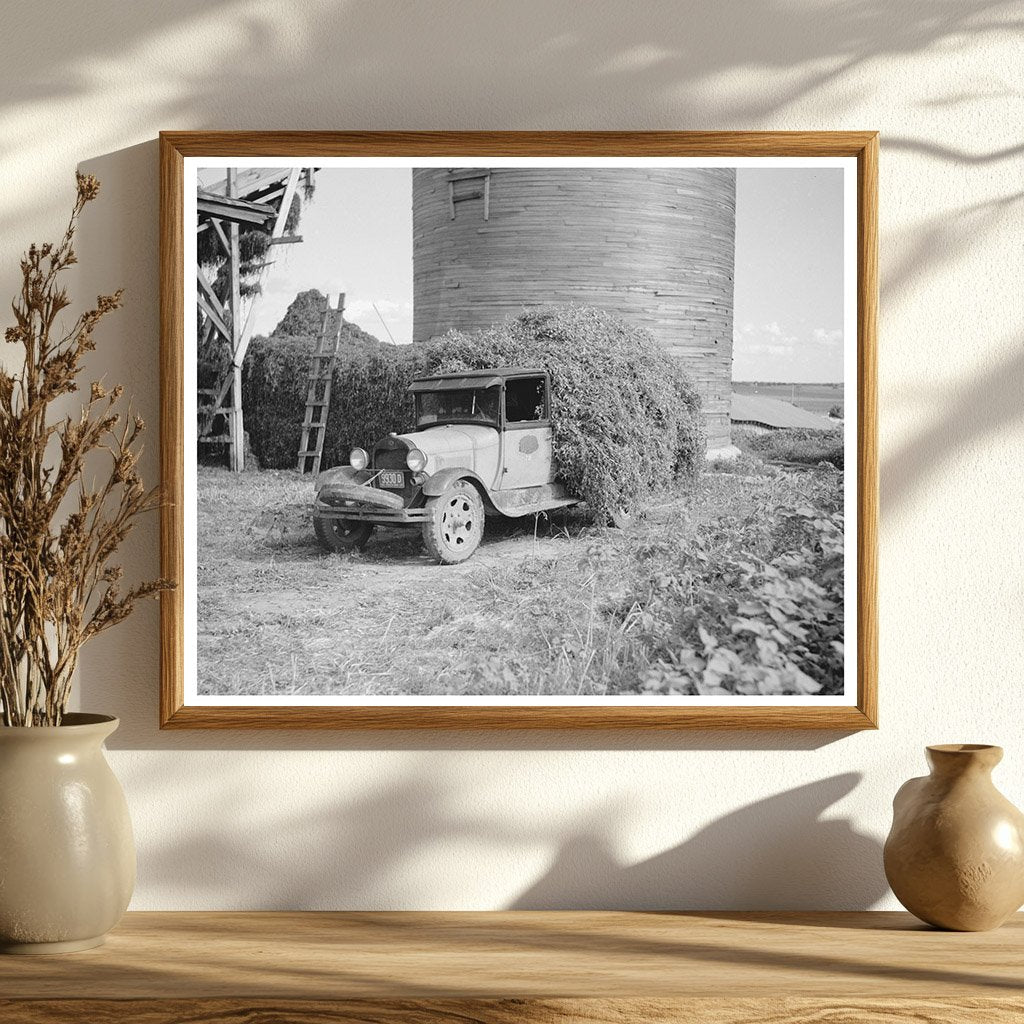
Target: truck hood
{"x": 460, "y": 445}
{"x": 461, "y": 437}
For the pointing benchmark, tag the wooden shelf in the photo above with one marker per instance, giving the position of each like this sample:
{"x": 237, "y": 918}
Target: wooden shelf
{"x": 508, "y": 968}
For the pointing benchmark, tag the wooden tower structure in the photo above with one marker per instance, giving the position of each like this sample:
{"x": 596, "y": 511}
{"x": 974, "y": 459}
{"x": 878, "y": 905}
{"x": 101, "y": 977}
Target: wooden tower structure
{"x": 654, "y": 245}
{"x": 252, "y": 199}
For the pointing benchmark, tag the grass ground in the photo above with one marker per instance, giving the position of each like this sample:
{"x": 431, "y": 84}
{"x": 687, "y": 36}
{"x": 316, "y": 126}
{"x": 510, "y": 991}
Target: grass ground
{"x": 731, "y": 584}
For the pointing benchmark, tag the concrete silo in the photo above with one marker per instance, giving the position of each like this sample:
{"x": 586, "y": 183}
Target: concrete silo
{"x": 653, "y": 245}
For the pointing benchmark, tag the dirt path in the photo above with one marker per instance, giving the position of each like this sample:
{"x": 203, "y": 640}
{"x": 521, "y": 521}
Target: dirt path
{"x": 279, "y": 615}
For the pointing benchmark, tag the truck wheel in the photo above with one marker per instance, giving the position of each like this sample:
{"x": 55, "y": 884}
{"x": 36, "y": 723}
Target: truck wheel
{"x": 341, "y": 535}
{"x": 454, "y": 524}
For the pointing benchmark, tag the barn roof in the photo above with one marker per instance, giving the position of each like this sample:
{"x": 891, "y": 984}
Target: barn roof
{"x": 771, "y": 412}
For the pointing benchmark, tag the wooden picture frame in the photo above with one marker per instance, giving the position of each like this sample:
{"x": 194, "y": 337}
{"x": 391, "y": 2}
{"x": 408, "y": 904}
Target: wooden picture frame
{"x": 177, "y": 712}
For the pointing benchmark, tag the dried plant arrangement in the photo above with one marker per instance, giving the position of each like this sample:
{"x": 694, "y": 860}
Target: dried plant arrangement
{"x": 58, "y": 530}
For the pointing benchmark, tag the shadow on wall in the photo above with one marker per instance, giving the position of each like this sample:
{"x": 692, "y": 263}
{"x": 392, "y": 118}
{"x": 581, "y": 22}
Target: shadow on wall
{"x": 234, "y": 63}
{"x": 940, "y": 242}
{"x": 776, "y": 854}
{"x": 407, "y": 844}
{"x": 990, "y": 404}
{"x": 288, "y": 56}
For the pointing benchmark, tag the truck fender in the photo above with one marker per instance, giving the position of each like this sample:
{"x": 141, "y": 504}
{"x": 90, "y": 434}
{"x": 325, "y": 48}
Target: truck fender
{"x": 436, "y": 485}
{"x": 342, "y": 474}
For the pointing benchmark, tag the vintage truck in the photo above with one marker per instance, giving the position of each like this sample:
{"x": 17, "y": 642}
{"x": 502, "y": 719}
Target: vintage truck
{"x": 481, "y": 446}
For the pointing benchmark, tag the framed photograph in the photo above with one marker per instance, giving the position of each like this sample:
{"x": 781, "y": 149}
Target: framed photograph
{"x": 519, "y": 429}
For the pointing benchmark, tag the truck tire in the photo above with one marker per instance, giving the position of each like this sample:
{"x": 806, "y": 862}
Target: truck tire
{"x": 341, "y": 535}
{"x": 454, "y": 525}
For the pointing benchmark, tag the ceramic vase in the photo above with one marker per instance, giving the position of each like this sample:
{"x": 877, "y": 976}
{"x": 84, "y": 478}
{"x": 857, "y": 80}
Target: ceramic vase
{"x": 67, "y": 855}
{"x": 955, "y": 855}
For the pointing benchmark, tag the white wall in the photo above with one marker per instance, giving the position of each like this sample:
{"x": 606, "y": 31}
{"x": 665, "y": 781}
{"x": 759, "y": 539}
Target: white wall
{"x": 340, "y": 820}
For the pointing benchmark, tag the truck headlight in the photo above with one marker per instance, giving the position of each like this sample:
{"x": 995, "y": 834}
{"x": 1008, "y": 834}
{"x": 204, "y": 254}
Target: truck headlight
{"x": 358, "y": 459}
{"x": 416, "y": 460}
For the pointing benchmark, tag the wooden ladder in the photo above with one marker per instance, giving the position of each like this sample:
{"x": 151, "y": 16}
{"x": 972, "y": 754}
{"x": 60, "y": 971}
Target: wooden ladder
{"x": 318, "y": 398}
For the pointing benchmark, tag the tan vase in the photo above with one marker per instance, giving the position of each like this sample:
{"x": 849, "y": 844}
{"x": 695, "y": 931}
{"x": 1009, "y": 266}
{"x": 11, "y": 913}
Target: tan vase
{"x": 955, "y": 855}
{"x": 67, "y": 857}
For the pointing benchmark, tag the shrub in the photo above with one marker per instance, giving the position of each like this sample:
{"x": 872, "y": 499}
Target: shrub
{"x": 625, "y": 417}
{"x": 806, "y": 447}
{"x": 369, "y": 397}
{"x": 751, "y": 605}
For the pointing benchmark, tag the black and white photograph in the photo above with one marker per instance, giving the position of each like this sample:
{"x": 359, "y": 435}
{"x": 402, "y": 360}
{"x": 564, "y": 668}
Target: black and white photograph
{"x": 524, "y": 431}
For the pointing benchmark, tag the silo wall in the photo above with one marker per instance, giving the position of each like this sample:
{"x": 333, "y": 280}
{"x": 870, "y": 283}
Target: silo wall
{"x": 654, "y": 245}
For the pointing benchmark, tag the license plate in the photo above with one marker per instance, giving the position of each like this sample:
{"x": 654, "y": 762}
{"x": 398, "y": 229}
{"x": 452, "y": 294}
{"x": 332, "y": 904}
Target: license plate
{"x": 392, "y": 478}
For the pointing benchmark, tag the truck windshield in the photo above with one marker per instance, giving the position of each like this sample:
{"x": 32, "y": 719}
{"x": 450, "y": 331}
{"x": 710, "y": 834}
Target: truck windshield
{"x": 469, "y": 406}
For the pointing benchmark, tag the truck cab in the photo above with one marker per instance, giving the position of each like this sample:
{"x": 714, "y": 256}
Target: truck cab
{"x": 481, "y": 445}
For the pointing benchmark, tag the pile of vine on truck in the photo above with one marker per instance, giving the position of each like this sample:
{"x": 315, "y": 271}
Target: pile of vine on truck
{"x": 555, "y": 407}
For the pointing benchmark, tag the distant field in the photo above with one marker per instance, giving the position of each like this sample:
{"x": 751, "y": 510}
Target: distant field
{"x": 817, "y": 398}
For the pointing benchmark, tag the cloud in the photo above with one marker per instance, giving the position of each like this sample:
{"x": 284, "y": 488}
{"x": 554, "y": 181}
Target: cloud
{"x": 768, "y": 349}
{"x": 824, "y": 336}
{"x": 364, "y": 307}
{"x": 768, "y": 339}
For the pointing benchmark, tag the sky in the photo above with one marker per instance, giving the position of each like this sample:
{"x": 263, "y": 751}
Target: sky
{"x": 788, "y": 304}
{"x": 788, "y": 318}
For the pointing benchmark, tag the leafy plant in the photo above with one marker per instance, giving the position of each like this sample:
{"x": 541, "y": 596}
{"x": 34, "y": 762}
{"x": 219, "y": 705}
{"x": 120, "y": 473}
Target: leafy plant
{"x": 58, "y": 533}
{"x": 802, "y": 446}
{"x": 750, "y": 606}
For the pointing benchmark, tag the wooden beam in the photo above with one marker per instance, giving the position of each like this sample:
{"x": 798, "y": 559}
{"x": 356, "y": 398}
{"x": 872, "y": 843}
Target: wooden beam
{"x": 286, "y": 203}
{"x": 235, "y": 309}
{"x": 214, "y": 317}
{"x": 250, "y": 214}
{"x": 238, "y": 215}
{"x": 208, "y": 329}
{"x": 249, "y": 181}
{"x": 469, "y": 174}
{"x": 207, "y": 289}
{"x": 272, "y": 196}
{"x": 219, "y": 228}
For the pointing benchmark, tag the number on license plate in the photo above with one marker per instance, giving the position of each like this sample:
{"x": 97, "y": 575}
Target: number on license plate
{"x": 392, "y": 478}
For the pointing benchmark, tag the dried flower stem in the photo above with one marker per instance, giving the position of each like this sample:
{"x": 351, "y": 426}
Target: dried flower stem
{"x": 58, "y": 588}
